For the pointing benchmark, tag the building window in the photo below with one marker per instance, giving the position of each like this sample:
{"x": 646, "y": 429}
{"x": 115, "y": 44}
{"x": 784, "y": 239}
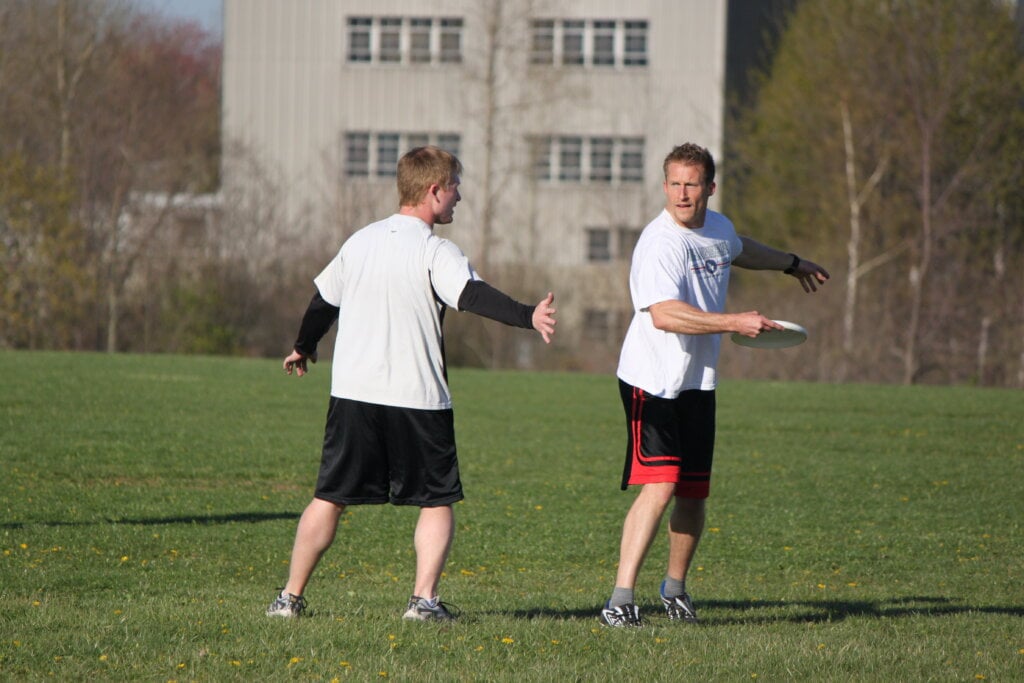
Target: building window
{"x": 542, "y": 42}
{"x": 357, "y": 154}
{"x": 451, "y": 40}
{"x": 387, "y": 154}
{"x": 376, "y": 154}
{"x": 599, "y": 244}
{"x": 359, "y": 31}
{"x": 604, "y": 43}
{"x": 419, "y": 40}
{"x": 635, "y": 46}
{"x": 570, "y": 158}
{"x": 628, "y": 238}
{"x": 601, "y": 159}
{"x": 390, "y": 40}
{"x": 631, "y": 160}
{"x": 404, "y": 40}
{"x": 540, "y": 157}
{"x": 608, "y": 244}
{"x": 572, "y": 42}
{"x": 601, "y": 43}
{"x": 573, "y": 159}
{"x": 449, "y": 142}
{"x": 597, "y": 324}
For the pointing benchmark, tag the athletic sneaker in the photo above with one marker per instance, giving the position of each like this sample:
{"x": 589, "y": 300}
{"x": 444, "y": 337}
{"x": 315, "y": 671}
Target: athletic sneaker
{"x": 287, "y": 605}
{"x": 421, "y": 609}
{"x": 623, "y": 615}
{"x": 679, "y": 606}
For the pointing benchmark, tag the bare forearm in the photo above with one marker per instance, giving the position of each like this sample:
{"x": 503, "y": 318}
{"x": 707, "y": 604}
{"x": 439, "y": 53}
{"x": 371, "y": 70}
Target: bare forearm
{"x": 682, "y": 318}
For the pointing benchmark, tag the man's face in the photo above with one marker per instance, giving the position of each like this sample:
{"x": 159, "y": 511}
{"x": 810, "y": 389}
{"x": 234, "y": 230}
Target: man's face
{"x": 686, "y": 194}
{"x": 445, "y": 201}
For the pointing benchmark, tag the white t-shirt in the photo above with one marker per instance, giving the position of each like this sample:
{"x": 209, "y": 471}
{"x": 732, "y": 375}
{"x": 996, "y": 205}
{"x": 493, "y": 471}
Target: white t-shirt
{"x": 686, "y": 264}
{"x": 390, "y": 281}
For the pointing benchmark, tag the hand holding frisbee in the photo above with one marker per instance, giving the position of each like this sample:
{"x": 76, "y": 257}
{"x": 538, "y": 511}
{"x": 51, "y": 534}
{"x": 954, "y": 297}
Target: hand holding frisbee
{"x": 791, "y": 334}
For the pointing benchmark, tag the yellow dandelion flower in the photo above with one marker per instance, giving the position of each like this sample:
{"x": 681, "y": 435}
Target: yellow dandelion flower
{"x": 382, "y": 674}
{"x": 538, "y": 507}
{"x": 235, "y": 662}
{"x": 103, "y": 658}
{"x": 507, "y": 640}
{"x": 479, "y": 648}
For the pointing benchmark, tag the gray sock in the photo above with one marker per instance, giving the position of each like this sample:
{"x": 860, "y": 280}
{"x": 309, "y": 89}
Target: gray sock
{"x": 621, "y": 596}
{"x": 673, "y": 587}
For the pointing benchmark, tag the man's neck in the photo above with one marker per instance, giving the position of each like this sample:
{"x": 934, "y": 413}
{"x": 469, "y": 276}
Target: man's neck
{"x": 421, "y": 211}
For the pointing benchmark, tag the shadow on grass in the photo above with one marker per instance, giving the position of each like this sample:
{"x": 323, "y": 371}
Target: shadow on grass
{"x": 738, "y": 612}
{"x": 199, "y": 520}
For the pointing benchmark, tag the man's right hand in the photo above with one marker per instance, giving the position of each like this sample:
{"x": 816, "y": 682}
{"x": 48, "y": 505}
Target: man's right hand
{"x": 297, "y": 361}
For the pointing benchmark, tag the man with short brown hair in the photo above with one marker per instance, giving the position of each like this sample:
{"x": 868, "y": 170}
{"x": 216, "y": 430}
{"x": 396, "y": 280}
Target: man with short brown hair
{"x": 390, "y": 434}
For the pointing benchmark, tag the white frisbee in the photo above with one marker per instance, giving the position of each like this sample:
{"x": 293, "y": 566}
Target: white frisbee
{"x": 791, "y": 334}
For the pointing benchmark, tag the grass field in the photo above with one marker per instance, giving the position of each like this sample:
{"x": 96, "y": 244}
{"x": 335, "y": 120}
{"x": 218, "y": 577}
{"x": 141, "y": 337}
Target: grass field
{"x": 149, "y": 505}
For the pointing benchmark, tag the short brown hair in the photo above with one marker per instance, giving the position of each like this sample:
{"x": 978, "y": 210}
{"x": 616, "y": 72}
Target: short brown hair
{"x": 421, "y": 167}
{"x": 692, "y": 155}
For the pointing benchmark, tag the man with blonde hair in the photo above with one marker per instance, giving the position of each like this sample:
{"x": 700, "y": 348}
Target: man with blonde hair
{"x": 390, "y": 434}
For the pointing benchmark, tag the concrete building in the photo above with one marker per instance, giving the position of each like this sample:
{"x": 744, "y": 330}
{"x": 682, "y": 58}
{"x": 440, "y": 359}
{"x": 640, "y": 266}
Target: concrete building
{"x": 560, "y": 111}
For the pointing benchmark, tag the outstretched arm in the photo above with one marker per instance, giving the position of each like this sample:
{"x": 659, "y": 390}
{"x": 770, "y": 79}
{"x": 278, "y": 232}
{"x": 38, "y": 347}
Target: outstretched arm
{"x": 318, "y": 318}
{"x": 482, "y": 299}
{"x": 758, "y": 256}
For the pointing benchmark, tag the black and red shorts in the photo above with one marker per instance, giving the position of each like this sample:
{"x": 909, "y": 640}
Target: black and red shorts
{"x": 376, "y": 454}
{"x": 670, "y": 439}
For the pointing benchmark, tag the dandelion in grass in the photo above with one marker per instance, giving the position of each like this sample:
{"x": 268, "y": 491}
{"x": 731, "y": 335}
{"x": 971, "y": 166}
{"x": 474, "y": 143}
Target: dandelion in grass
{"x": 294, "y": 660}
{"x": 103, "y": 658}
{"x": 507, "y": 640}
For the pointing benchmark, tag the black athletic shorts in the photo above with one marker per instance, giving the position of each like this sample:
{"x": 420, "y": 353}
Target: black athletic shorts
{"x": 670, "y": 440}
{"x": 377, "y": 454}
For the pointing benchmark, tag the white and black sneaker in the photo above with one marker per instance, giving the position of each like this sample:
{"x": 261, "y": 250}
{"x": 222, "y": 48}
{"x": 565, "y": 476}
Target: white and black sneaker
{"x": 627, "y": 616}
{"x": 422, "y": 609}
{"x": 287, "y": 605}
{"x": 679, "y": 607}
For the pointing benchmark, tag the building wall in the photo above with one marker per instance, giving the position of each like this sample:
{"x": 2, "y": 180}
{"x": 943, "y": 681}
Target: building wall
{"x": 291, "y": 94}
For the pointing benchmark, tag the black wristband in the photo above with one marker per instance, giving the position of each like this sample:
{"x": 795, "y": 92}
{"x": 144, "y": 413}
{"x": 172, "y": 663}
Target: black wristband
{"x": 793, "y": 266}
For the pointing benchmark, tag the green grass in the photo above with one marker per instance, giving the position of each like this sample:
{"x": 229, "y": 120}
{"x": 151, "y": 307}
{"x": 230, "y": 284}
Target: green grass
{"x": 149, "y": 505}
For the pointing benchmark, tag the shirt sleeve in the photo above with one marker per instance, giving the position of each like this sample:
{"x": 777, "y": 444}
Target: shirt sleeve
{"x": 329, "y": 281}
{"x": 657, "y": 278}
{"x": 449, "y": 272}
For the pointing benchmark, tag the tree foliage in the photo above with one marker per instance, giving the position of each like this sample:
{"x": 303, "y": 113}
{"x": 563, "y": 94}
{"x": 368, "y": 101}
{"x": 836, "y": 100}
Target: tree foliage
{"x": 886, "y": 140}
{"x": 99, "y": 103}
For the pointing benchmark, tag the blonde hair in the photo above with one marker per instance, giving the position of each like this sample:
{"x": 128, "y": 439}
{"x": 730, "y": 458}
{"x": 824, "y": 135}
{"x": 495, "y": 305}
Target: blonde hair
{"x": 421, "y": 167}
{"x": 692, "y": 155}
